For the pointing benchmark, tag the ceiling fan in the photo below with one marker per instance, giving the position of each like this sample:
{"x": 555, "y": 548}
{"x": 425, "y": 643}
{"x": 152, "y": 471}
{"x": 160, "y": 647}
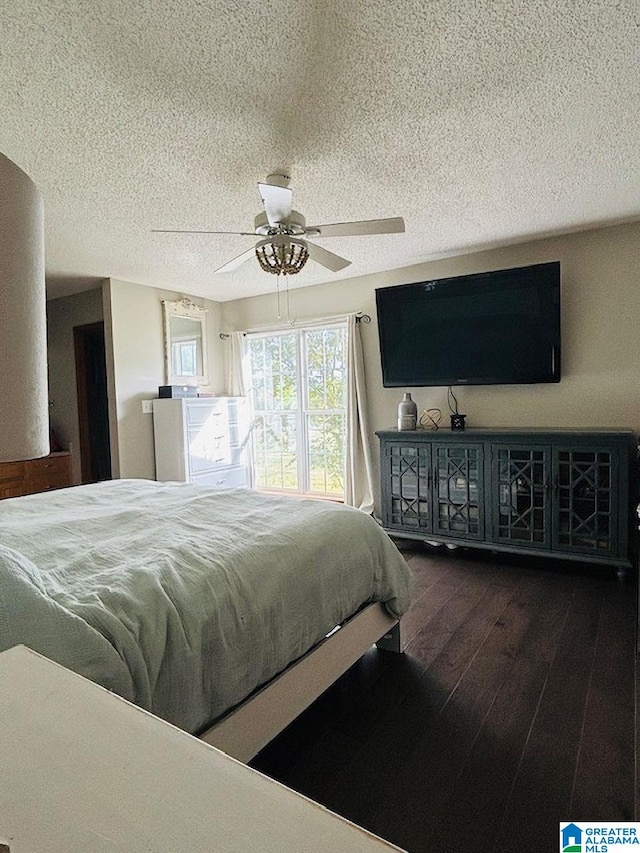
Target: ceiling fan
{"x": 283, "y": 248}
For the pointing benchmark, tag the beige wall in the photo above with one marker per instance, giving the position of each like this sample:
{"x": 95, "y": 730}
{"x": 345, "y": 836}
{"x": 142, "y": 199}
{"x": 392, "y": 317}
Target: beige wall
{"x": 135, "y": 368}
{"x": 601, "y": 342}
{"x": 62, "y": 315}
{"x": 600, "y": 384}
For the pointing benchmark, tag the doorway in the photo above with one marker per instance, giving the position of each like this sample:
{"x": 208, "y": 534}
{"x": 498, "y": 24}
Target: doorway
{"x": 93, "y": 407}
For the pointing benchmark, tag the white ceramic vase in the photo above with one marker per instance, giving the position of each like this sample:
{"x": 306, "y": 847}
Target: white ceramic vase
{"x": 407, "y": 413}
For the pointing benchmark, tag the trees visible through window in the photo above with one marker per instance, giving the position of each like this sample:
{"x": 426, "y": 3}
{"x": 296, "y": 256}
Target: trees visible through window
{"x": 298, "y": 390}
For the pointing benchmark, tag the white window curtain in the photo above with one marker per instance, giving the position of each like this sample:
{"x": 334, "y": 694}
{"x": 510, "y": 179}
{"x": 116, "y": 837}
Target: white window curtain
{"x": 358, "y": 491}
{"x": 236, "y": 373}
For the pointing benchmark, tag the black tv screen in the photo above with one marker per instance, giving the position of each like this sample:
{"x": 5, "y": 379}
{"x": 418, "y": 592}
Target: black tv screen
{"x": 491, "y": 328}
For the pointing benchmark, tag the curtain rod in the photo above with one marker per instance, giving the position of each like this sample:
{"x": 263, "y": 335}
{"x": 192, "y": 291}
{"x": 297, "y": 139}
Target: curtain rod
{"x": 360, "y": 318}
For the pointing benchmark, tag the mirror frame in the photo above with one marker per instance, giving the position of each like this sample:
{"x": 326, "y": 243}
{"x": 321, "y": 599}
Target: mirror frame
{"x": 188, "y": 309}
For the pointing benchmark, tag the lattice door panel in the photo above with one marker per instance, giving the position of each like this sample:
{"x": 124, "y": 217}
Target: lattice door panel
{"x": 521, "y": 484}
{"x": 410, "y": 486}
{"x": 459, "y": 506}
{"x": 586, "y": 503}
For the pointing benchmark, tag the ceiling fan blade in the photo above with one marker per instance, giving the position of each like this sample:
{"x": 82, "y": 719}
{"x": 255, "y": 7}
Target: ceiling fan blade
{"x": 327, "y": 259}
{"x": 277, "y": 203}
{"x": 230, "y": 266}
{"x": 173, "y": 231}
{"x": 395, "y": 225}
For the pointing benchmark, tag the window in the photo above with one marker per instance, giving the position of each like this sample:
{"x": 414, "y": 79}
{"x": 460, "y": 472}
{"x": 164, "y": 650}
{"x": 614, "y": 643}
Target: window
{"x": 298, "y": 392}
{"x": 184, "y": 358}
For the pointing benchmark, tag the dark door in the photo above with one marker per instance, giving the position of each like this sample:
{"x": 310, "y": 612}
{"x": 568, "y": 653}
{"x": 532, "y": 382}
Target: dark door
{"x": 93, "y": 408}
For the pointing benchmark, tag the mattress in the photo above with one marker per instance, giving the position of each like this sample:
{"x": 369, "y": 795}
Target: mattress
{"x": 182, "y": 598}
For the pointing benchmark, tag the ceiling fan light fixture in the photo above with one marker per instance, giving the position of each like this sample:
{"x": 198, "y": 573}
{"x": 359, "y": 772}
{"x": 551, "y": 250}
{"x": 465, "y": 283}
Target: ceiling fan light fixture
{"x": 282, "y": 256}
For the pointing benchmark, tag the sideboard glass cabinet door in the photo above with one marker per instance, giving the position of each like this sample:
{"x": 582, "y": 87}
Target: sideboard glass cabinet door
{"x": 409, "y": 477}
{"x": 521, "y": 480}
{"x": 435, "y": 489}
{"x": 586, "y": 502}
{"x": 459, "y": 494}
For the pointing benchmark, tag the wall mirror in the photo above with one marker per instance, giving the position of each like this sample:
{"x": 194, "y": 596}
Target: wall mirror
{"x": 185, "y": 343}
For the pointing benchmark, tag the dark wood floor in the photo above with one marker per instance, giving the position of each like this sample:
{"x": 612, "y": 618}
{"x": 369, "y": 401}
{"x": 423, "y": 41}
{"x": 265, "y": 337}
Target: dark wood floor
{"x": 512, "y": 709}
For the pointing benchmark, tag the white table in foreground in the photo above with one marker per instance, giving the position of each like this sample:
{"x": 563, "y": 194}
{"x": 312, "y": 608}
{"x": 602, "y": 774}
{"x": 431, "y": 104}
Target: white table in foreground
{"x": 83, "y": 771}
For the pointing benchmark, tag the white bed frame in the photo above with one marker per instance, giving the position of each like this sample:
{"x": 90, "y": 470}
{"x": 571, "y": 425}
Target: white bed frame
{"x": 245, "y": 730}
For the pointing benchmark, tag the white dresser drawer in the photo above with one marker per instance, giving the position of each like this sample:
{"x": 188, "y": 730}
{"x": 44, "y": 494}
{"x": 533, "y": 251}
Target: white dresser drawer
{"x": 207, "y": 412}
{"x": 207, "y": 449}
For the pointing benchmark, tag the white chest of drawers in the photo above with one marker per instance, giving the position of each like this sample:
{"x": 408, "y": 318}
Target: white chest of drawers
{"x": 202, "y": 440}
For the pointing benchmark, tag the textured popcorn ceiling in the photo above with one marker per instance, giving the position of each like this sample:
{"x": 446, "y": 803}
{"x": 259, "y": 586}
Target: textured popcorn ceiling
{"x": 480, "y": 122}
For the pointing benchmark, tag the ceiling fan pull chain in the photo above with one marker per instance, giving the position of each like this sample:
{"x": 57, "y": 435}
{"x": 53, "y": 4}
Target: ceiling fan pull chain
{"x": 278, "y": 292}
{"x": 288, "y": 312}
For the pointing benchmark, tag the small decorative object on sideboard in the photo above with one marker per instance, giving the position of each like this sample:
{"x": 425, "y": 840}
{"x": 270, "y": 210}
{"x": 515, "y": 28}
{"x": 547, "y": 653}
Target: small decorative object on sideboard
{"x": 457, "y": 420}
{"x": 430, "y": 419}
{"x": 407, "y": 413}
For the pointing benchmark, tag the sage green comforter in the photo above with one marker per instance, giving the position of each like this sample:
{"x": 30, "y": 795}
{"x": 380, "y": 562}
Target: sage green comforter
{"x": 180, "y": 598}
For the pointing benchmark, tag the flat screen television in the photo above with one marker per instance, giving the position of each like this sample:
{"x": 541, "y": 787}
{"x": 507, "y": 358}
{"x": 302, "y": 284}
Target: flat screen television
{"x": 490, "y": 328}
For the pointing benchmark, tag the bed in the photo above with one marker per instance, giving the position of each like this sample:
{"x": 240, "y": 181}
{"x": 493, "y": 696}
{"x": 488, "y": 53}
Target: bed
{"x": 186, "y": 600}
